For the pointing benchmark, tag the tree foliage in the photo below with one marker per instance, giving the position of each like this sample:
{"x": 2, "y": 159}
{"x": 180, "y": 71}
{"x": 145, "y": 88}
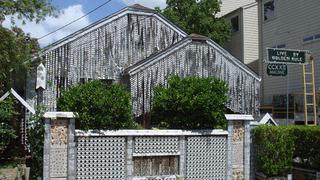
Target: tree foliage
{"x": 190, "y": 103}
{"x": 26, "y": 9}
{"x": 16, "y": 50}
{"x": 99, "y": 106}
{"x": 7, "y": 132}
{"x": 199, "y": 16}
{"x": 35, "y": 142}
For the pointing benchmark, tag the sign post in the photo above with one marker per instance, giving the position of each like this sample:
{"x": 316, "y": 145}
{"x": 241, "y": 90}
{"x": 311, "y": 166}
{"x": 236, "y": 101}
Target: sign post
{"x": 278, "y": 59}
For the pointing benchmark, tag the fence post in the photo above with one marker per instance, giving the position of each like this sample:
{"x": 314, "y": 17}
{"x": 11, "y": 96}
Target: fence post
{"x": 238, "y": 162}
{"x": 129, "y": 158}
{"x": 182, "y": 169}
{"x": 59, "y": 157}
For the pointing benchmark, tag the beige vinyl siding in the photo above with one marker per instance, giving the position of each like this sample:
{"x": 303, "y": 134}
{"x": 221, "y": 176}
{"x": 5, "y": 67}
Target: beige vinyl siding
{"x": 293, "y": 21}
{"x": 235, "y": 44}
{"x": 230, "y": 5}
{"x": 251, "y": 36}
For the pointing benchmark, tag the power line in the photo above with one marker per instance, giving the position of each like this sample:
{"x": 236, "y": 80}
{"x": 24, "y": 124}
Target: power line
{"x": 74, "y": 20}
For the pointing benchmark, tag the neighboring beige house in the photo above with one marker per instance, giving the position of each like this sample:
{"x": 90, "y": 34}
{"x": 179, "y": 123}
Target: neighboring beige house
{"x": 282, "y": 24}
{"x": 244, "y": 41}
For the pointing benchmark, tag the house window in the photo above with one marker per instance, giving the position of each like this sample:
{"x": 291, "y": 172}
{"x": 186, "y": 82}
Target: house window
{"x": 235, "y": 24}
{"x": 281, "y": 46}
{"x": 268, "y": 10}
{"x": 317, "y": 36}
{"x": 307, "y": 38}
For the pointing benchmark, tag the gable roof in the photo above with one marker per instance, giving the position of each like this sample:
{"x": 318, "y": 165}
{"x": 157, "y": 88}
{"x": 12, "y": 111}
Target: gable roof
{"x": 20, "y": 99}
{"x": 267, "y": 119}
{"x": 134, "y": 9}
{"x": 193, "y": 37}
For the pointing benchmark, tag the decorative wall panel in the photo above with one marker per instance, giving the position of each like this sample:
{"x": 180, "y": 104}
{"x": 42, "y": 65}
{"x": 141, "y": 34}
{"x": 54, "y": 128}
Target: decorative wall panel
{"x": 58, "y": 149}
{"x": 206, "y": 158}
{"x": 101, "y": 158}
{"x": 156, "y": 145}
{"x": 156, "y": 166}
{"x": 238, "y": 150}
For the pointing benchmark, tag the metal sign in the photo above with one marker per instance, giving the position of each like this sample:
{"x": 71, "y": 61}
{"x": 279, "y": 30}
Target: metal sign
{"x": 274, "y": 69}
{"x": 286, "y": 56}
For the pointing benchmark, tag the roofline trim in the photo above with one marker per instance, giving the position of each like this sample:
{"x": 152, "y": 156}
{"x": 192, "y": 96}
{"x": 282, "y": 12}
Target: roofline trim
{"x": 233, "y": 59}
{"x": 152, "y": 59}
{"x": 108, "y": 19}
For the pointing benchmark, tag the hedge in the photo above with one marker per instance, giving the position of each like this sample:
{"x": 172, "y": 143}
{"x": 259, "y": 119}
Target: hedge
{"x": 275, "y": 148}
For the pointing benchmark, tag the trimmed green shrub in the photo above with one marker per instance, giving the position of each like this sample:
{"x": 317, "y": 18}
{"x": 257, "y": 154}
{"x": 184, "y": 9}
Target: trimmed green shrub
{"x": 307, "y": 146}
{"x": 190, "y": 103}
{"x": 275, "y": 148}
{"x": 99, "y": 106}
{"x": 7, "y": 132}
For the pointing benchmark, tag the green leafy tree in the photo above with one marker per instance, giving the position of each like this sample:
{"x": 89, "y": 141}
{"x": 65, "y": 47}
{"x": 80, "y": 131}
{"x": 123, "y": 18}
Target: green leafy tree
{"x": 198, "y": 16}
{"x": 16, "y": 50}
{"x": 26, "y": 9}
{"x": 190, "y": 103}
{"x": 16, "y": 47}
{"x": 99, "y": 106}
{"x": 7, "y": 132}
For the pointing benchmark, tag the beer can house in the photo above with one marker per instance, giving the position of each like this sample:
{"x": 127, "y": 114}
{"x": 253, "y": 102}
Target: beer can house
{"x": 139, "y": 47}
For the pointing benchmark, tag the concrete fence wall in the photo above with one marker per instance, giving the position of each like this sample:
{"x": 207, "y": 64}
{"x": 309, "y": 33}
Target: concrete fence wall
{"x": 145, "y": 154}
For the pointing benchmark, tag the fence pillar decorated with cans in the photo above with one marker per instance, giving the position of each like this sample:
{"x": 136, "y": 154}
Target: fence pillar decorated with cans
{"x": 238, "y": 163}
{"x": 59, "y": 154}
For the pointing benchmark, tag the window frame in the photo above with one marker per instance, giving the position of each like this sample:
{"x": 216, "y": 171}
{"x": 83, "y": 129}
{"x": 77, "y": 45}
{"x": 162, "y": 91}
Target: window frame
{"x": 233, "y": 30}
{"x": 274, "y": 10}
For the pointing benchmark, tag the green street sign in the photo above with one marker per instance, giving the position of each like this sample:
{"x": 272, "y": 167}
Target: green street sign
{"x": 274, "y": 69}
{"x": 286, "y": 56}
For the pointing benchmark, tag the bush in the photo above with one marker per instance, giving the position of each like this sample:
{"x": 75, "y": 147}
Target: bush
{"x": 190, "y": 103}
{"x": 99, "y": 106}
{"x": 307, "y": 146}
{"x": 7, "y": 132}
{"x": 276, "y": 147}
{"x": 36, "y": 143}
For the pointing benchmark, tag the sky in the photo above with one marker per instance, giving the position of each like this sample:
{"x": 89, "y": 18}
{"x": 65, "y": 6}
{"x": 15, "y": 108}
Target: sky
{"x": 73, "y": 9}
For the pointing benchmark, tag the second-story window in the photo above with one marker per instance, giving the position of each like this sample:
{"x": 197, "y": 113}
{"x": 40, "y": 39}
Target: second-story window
{"x": 268, "y": 8}
{"x": 235, "y": 24}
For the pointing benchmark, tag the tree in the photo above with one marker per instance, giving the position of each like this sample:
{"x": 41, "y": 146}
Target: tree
{"x": 190, "y": 103}
{"x": 16, "y": 50}
{"x": 26, "y": 10}
{"x": 198, "y": 16}
{"x": 99, "y": 106}
{"x": 7, "y": 132}
{"x": 16, "y": 47}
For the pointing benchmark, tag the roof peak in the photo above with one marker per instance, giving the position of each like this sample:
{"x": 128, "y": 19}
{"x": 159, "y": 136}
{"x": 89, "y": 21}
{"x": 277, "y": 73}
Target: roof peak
{"x": 195, "y": 36}
{"x": 139, "y": 6}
